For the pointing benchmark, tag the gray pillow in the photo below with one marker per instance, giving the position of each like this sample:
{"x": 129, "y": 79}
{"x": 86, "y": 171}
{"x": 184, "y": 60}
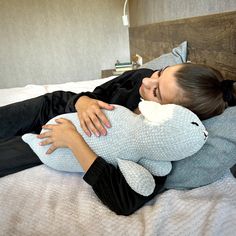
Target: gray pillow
{"x": 216, "y": 157}
{"x": 177, "y": 56}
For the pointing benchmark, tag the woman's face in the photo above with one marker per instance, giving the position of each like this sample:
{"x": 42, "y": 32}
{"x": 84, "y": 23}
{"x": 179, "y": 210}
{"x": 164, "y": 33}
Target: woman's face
{"x": 162, "y": 87}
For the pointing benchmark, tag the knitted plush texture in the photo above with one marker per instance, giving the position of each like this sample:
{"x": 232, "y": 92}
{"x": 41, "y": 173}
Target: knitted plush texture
{"x": 151, "y": 140}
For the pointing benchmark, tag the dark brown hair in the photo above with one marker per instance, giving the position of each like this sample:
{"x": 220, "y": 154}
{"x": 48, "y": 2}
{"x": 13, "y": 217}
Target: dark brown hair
{"x": 202, "y": 92}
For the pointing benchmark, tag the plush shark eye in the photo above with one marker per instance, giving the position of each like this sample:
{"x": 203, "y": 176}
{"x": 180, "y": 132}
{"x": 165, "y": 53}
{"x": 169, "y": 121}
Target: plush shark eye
{"x": 205, "y": 134}
{"x": 195, "y": 123}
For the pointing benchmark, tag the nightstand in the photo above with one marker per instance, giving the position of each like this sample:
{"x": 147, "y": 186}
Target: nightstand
{"x": 110, "y": 72}
{"x": 107, "y": 73}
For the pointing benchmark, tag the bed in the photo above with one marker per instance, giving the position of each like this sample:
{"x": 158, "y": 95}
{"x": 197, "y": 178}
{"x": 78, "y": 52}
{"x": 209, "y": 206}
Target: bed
{"x": 42, "y": 201}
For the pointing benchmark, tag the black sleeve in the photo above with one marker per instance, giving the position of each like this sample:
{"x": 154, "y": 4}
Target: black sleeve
{"x": 112, "y": 189}
{"x": 106, "y": 180}
{"x": 117, "y": 90}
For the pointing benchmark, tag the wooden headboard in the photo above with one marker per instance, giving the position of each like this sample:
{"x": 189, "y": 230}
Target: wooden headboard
{"x": 211, "y": 40}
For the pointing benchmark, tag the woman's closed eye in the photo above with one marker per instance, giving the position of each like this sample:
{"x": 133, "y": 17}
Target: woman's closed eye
{"x": 159, "y": 72}
{"x": 156, "y": 90}
{"x": 156, "y": 93}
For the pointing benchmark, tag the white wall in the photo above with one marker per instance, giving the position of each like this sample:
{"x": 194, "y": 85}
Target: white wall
{"x": 55, "y": 41}
{"x": 151, "y": 11}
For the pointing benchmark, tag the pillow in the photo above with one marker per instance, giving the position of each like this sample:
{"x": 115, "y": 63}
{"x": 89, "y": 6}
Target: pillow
{"x": 177, "y": 56}
{"x": 147, "y": 143}
{"x": 216, "y": 157}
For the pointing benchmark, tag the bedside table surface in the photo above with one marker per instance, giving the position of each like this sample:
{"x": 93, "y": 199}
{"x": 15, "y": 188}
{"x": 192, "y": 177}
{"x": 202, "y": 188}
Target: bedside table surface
{"x": 107, "y": 73}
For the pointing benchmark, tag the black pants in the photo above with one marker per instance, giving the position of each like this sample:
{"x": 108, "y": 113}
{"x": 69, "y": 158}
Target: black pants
{"x": 25, "y": 117}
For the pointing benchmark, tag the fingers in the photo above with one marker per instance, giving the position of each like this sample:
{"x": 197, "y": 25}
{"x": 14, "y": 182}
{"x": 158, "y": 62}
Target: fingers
{"x": 48, "y": 126}
{"x": 103, "y": 118}
{"x": 47, "y": 136}
{"x": 51, "y": 149}
{"x": 84, "y": 126}
{"x": 91, "y": 124}
{"x": 92, "y": 119}
{"x": 105, "y": 105}
{"x": 94, "y": 124}
{"x": 46, "y": 142}
{"x": 44, "y": 135}
{"x": 101, "y": 115}
{"x": 62, "y": 121}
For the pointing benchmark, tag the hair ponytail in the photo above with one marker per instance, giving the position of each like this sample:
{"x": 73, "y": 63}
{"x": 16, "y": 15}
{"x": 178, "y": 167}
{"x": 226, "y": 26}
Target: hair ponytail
{"x": 228, "y": 89}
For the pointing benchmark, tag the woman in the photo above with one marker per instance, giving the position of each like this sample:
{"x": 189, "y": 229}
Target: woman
{"x": 196, "y": 87}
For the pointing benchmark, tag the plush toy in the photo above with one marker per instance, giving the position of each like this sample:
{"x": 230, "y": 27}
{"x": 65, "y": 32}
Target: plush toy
{"x": 140, "y": 145}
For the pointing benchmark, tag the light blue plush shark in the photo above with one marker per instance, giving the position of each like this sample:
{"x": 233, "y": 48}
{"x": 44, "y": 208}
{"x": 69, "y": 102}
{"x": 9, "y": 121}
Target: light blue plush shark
{"x": 141, "y": 145}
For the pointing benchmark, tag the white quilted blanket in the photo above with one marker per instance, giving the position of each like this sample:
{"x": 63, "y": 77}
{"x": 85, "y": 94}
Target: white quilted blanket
{"x": 42, "y": 201}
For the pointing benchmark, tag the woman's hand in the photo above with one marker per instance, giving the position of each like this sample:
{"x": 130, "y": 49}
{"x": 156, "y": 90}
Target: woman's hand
{"x": 58, "y": 135}
{"x": 91, "y": 117}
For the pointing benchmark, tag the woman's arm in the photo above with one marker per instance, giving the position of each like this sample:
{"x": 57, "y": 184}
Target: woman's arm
{"x": 106, "y": 180}
{"x": 104, "y": 92}
{"x": 64, "y": 134}
{"x": 91, "y": 117}
{"x": 112, "y": 189}
{"x": 123, "y": 90}
{"x": 81, "y": 151}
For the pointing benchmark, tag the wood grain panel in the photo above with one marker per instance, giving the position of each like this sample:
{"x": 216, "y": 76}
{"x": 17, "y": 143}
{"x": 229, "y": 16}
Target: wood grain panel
{"x": 211, "y": 40}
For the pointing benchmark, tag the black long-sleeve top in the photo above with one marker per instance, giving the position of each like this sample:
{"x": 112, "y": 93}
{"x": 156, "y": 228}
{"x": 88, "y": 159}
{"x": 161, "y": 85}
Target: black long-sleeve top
{"x": 106, "y": 180}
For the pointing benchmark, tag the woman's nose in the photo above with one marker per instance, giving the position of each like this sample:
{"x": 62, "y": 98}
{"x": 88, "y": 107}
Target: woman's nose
{"x": 149, "y": 82}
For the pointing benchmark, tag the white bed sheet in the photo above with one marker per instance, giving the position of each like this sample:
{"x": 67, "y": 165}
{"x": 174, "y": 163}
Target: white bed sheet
{"x": 18, "y": 94}
{"x": 42, "y": 201}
